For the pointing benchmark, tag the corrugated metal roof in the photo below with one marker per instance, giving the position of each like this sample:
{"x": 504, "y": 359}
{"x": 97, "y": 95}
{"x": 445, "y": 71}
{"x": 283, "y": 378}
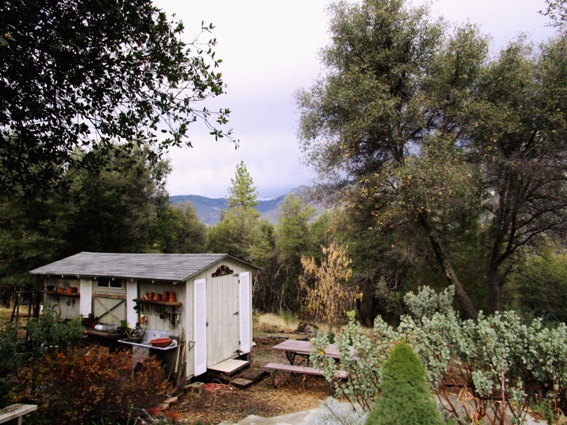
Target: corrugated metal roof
{"x": 175, "y": 267}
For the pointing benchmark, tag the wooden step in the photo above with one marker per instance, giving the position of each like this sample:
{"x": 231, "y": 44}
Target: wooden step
{"x": 230, "y": 366}
{"x": 249, "y": 377}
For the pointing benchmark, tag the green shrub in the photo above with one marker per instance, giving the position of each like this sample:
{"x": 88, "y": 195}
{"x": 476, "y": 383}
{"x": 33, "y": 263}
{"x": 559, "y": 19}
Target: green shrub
{"x": 362, "y": 364}
{"x": 495, "y": 360}
{"x": 47, "y": 334}
{"x": 406, "y": 398}
{"x": 10, "y": 354}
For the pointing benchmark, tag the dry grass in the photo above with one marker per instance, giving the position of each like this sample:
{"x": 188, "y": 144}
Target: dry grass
{"x": 5, "y": 315}
{"x": 270, "y": 323}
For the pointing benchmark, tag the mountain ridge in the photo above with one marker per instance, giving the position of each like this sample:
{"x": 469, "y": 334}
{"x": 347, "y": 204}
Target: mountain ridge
{"x": 209, "y": 209}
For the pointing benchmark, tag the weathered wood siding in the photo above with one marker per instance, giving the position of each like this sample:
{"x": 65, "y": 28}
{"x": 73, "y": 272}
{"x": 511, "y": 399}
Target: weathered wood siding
{"x": 152, "y": 313}
{"x": 223, "y": 331}
{"x": 109, "y": 304}
{"x": 69, "y": 306}
{"x": 222, "y": 308}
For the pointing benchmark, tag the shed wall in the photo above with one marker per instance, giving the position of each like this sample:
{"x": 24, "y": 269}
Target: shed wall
{"x": 69, "y": 307}
{"x": 223, "y": 331}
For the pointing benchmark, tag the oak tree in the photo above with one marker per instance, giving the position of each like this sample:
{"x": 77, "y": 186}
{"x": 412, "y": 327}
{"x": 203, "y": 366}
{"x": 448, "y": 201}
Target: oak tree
{"x": 418, "y": 127}
{"x": 96, "y": 73}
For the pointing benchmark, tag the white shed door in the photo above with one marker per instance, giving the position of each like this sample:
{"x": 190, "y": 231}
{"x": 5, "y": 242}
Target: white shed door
{"x": 131, "y": 294}
{"x": 200, "y": 324}
{"x": 245, "y": 313}
{"x": 86, "y": 300}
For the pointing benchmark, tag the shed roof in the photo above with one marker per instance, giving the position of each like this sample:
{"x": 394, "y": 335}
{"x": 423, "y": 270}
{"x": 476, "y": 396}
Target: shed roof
{"x": 175, "y": 267}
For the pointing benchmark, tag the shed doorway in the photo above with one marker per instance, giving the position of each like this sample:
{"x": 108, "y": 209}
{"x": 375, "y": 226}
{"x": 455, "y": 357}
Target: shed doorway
{"x": 223, "y": 331}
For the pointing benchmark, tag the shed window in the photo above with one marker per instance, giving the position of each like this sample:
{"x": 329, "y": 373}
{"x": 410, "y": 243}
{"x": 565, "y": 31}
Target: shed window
{"x": 106, "y": 282}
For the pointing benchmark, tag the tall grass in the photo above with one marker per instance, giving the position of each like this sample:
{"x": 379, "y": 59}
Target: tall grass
{"x": 283, "y": 322}
{"x": 275, "y": 323}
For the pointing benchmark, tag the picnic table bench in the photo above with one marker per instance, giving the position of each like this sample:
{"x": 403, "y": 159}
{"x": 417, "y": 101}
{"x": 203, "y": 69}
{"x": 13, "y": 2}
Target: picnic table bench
{"x": 300, "y": 370}
{"x": 295, "y": 347}
{"x": 13, "y": 414}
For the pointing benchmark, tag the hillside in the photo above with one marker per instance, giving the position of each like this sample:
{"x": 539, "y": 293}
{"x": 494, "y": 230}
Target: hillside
{"x": 209, "y": 209}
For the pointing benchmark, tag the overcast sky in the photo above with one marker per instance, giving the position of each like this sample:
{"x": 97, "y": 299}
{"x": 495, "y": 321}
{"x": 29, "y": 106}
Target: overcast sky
{"x": 269, "y": 51}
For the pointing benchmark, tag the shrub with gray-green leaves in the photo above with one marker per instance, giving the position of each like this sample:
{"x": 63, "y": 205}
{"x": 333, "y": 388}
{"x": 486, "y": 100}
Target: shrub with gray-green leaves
{"x": 362, "y": 356}
{"x": 497, "y": 364}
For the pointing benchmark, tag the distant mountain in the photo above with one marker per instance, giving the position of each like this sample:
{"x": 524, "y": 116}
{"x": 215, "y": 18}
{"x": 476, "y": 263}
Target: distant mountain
{"x": 209, "y": 209}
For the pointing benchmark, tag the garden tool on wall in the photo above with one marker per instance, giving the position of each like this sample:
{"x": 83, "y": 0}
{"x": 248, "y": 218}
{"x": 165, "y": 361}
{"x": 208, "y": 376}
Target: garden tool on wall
{"x": 180, "y": 366}
{"x": 174, "y": 316}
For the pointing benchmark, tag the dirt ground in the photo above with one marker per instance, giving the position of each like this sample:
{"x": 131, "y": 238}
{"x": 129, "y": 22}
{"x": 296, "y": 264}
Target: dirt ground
{"x": 224, "y": 402}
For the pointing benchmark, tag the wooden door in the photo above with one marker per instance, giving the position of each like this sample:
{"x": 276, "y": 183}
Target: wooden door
{"x": 200, "y": 326}
{"x": 223, "y": 315}
{"x": 245, "y": 312}
{"x": 109, "y": 308}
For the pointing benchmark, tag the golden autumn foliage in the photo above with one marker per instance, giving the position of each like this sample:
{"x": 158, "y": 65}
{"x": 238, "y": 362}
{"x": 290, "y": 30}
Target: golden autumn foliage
{"x": 88, "y": 385}
{"x": 328, "y": 295}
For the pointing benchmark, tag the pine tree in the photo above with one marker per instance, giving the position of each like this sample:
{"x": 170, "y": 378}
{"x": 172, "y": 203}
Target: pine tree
{"x": 240, "y": 231}
{"x": 242, "y": 191}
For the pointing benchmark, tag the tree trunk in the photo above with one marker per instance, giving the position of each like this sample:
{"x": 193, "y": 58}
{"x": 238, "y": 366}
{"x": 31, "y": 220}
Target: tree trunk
{"x": 445, "y": 263}
{"x": 494, "y": 291}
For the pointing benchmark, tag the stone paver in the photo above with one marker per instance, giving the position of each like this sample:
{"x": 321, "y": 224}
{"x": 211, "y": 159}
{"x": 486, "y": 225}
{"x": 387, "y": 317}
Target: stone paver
{"x": 299, "y": 418}
{"x": 302, "y": 418}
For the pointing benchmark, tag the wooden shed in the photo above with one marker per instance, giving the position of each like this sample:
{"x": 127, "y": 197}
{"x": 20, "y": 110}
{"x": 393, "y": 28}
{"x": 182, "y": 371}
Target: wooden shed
{"x": 203, "y": 301}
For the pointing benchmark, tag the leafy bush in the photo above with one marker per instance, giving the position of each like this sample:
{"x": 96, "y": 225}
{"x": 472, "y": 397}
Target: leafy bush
{"x": 93, "y": 385}
{"x": 361, "y": 356}
{"x": 9, "y": 353}
{"x": 46, "y": 334}
{"x": 495, "y": 362}
{"x": 406, "y": 398}
{"x": 539, "y": 286}
{"x": 9, "y": 361}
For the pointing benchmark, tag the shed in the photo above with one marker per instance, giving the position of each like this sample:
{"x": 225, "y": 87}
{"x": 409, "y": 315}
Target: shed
{"x": 201, "y": 301}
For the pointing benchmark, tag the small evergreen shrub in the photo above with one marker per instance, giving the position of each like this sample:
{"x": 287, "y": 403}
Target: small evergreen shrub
{"x": 406, "y": 398}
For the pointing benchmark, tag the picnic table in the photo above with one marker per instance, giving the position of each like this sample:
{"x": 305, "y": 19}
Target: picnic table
{"x": 293, "y": 348}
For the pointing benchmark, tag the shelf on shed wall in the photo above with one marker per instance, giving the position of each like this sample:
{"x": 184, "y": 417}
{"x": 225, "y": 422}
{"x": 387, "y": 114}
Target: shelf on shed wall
{"x": 62, "y": 294}
{"x": 163, "y": 303}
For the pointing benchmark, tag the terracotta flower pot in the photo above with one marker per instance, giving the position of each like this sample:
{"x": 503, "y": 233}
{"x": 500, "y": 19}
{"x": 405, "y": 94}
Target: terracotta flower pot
{"x": 172, "y": 297}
